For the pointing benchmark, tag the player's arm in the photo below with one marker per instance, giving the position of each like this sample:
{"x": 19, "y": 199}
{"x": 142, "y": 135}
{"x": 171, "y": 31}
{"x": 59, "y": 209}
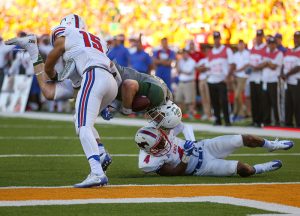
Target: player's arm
{"x": 56, "y": 52}
{"x": 129, "y": 89}
{"x": 169, "y": 170}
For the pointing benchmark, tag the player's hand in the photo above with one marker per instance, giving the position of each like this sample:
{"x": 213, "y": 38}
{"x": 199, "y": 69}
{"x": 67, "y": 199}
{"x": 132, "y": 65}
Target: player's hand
{"x": 188, "y": 147}
{"x": 106, "y": 114}
{"x": 55, "y": 78}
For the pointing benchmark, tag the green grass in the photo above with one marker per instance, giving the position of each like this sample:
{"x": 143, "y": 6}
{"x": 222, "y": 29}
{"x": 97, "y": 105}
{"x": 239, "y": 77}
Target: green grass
{"x": 134, "y": 209}
{"x": 15, "y": 138}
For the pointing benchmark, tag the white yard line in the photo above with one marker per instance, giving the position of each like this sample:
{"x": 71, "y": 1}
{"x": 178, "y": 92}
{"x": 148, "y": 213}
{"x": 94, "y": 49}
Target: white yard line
{"x": 213, "y": 199}
{"x": 158, "y": 185}
{"x": 58, "y": 138}
{"x": 136, "y": 155}
{"x": 141, "y": 122}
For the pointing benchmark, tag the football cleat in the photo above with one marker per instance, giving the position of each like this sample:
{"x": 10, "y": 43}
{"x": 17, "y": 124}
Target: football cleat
{"x": 23, "y": 41}
{"x": 272, "y": 165}
{"x": 267, "y": 167}
{"x": 93, "y": 180}
{"x": 281, "y": 145}
{"x": 105, "y": 160}
{"x": 29, "y": 43}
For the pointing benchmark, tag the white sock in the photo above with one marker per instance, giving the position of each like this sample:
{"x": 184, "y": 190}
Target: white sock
{"x": 95, "y": 165}
{"x": 259, "y": 168}
{"x": 97, "y": 137}
{"x": 90, "y": 147}
{"x": 267, "y": 144}
{"x": 101, "y": 148}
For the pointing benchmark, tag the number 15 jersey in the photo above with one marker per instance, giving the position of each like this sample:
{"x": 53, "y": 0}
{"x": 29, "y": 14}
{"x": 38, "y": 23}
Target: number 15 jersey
{"x": 86, "y": 49}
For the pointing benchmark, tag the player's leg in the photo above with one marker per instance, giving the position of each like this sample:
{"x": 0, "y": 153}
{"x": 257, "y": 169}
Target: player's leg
{"x": 29, "y": 43}
{"x": 105, "y": 158}
{"x": 223, "y": 146}
{"x": 253, "y": 141}
{"x": 220, "y": 167}
{"x": 97, "y": 85}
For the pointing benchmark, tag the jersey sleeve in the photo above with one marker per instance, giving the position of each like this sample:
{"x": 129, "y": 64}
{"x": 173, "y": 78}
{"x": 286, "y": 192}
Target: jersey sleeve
{"x": 149, "y": 163}
{"x": 57, "y": 32}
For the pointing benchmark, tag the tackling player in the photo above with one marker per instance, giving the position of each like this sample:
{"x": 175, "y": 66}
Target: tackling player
{"x": 165, "y": 154}
{"x": 99, "y": 88}
{"x": 135, "y": 84}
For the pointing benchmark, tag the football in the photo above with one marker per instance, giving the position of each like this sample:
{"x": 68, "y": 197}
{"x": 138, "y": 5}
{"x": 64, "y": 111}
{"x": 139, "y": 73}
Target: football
{"x": 140, "y": 103}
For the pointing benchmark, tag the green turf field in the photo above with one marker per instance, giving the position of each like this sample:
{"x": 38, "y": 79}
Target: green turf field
{"x": 43, "y": 138}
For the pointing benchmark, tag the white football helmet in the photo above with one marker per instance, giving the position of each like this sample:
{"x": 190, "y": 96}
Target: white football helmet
{"x": 73, "y": 20}
{"x": 167, "y": 116}
{"x": 153, "y": 141}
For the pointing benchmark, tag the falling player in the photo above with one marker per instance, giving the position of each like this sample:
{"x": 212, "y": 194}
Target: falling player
{"x": 165, "y": 154}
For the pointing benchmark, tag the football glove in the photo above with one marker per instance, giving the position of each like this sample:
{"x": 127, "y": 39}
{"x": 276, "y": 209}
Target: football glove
{"x": 106, "y": 115}
{"x": 188, "y": 147}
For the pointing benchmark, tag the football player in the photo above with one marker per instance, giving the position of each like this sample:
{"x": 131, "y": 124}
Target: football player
{"x": 135, "y": 84}
{"x": 98, "y": 86}
{"x": 167, "y": 155}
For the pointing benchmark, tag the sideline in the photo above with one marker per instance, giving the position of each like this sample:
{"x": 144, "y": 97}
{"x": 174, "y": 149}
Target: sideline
{"x": 136, "y": 155}
{"x": 141, "y": 122}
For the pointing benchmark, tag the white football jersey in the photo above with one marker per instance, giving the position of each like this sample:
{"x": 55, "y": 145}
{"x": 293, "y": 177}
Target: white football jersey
{"x": 149, "y": 163}
{"x": 86, "y": 49}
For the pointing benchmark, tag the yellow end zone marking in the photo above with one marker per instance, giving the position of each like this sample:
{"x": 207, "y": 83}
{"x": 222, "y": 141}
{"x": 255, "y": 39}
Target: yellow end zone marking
{"x": 287, "y": 194}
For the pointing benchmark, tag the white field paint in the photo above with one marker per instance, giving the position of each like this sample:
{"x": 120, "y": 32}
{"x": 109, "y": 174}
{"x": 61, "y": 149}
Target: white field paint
{"x": 136, "y": 155}
{"x": 213, "y": 199}
{"x": 159, "y": 185}
{"x": 142, "y": 122}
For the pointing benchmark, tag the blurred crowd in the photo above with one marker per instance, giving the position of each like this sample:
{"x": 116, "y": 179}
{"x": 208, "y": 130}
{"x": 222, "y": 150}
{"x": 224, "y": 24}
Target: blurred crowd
{"x": 175, "y": 19}
{"x": 214, "y": 82}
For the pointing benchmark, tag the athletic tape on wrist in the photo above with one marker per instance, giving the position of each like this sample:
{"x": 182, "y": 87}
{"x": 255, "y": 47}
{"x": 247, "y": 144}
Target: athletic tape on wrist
{"x": 39, "y": 60}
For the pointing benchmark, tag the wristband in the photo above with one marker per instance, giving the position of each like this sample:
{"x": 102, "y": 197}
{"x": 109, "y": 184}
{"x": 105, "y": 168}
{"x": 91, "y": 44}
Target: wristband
{"x": 126, "y": 111}
{"x": 39, "y": 60}
{"x": 185, "y": 159}
{"x": 55, "y": 78}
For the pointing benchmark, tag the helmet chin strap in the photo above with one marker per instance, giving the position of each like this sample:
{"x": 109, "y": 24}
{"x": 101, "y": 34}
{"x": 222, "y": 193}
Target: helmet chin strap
{"x": 165, "y": 136}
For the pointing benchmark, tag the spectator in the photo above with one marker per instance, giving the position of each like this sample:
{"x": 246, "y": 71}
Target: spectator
{"x": 256, "y": 57}
{"x": 119, "y": 52}
{"x": 4, "y": 60}
{"x": 271, "y": 65}
{"x": 241, "y": 62}
{"x": 202, "y": 66}
{"x": 132, "y": 44}
{"x": 278, "y": 38}
{"x": 291, "y": 73}
{"x": 186, "y": 92}
{"x": 219, "y": 62}
{"x": 197, "y": 56}
{"x": 162, "y": 59}
{"x": 140, "y": 60}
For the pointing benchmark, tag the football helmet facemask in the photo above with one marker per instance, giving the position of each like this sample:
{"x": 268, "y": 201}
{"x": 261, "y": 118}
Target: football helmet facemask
{"x": 166, "y": 116}
{"x": 153, "y": 141}
{"x": 73, "y": 20}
